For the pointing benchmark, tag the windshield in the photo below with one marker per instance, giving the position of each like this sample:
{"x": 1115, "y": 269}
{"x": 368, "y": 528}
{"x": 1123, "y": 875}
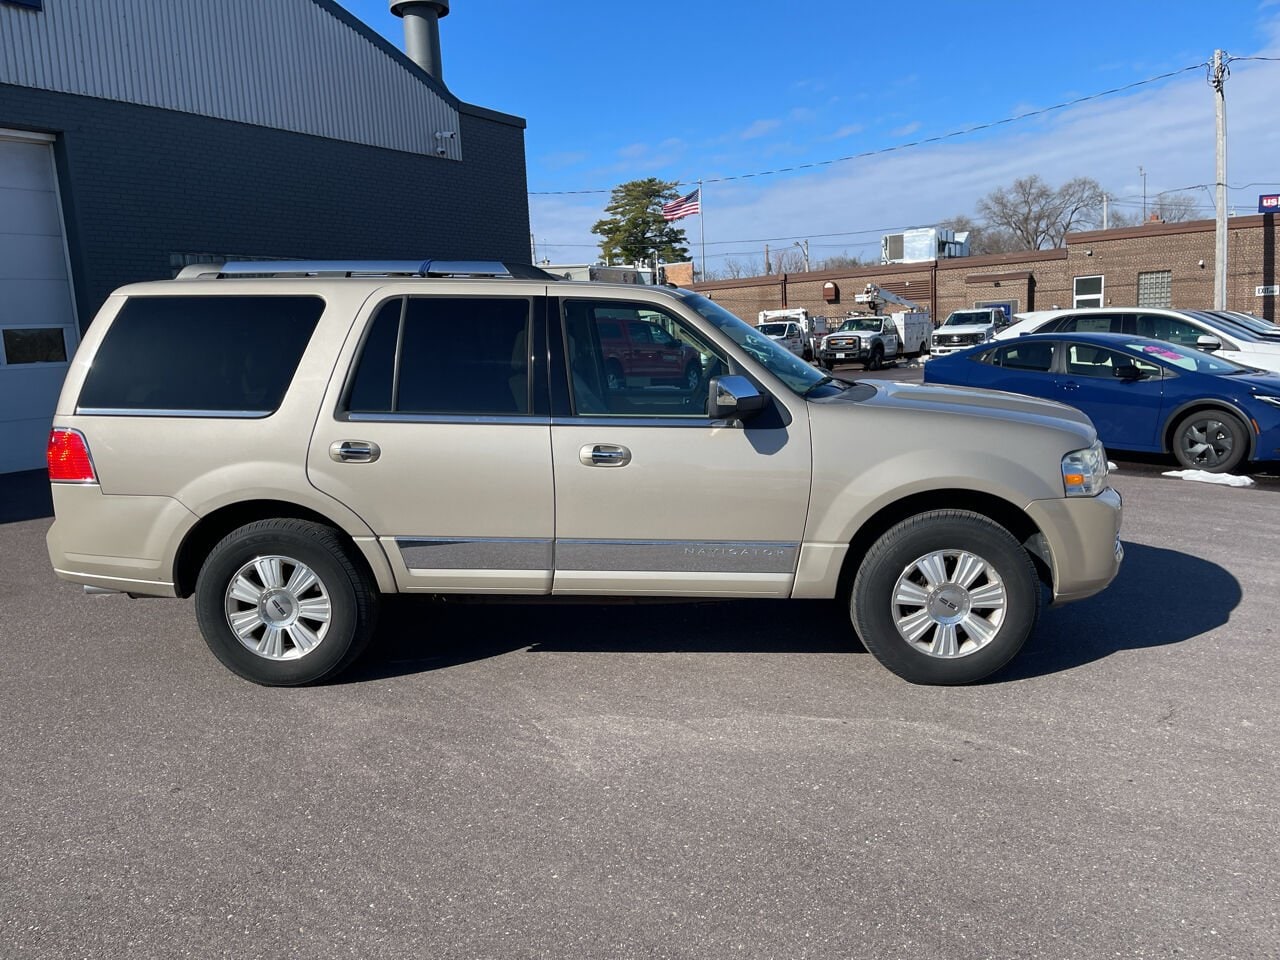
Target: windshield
{"x": 1240, "y": 322}
{"x": 963, "y": 318}
{"x": 799, "y": 376}
{"x": 774, "y": 329}
{"x": 865, "y": 324}
{"x": 1186, "y": 358}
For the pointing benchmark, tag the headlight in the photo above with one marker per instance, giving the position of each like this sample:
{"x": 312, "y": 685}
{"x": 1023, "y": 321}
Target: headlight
{"x": 1274, "y": 401}
{"x": 1084, "y": 472}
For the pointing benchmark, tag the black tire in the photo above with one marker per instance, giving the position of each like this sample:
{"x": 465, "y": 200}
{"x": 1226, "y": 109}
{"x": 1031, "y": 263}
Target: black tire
{"x": 980, "y": 642}
{"x": 1211, "y": 440}
{"x": 876, "y": 360}
{"x": 322, "y": 627}
{"x": 807, "y": 356}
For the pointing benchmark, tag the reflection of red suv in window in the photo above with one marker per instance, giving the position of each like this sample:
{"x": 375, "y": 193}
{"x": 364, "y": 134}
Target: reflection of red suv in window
{"x": 636, "y": 349}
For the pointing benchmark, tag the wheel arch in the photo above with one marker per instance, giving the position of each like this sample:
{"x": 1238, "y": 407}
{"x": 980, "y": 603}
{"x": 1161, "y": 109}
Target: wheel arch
{"x": 211, "y": 528}
{"x": 1199, "y": 406}
{"x": 1001, "y": 511}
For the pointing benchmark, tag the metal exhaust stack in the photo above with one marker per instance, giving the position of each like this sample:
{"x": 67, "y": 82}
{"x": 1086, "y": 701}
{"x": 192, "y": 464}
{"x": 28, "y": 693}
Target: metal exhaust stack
{"x": 422, "y": 32}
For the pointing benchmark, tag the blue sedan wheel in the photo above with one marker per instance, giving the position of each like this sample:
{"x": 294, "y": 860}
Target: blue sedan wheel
{"x": 1210, "y": 440}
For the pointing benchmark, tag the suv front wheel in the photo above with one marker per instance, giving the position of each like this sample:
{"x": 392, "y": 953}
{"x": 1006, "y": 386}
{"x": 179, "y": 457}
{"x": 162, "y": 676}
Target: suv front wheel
{"x": 945, "y": 597}
{"x": 283, "y": 602}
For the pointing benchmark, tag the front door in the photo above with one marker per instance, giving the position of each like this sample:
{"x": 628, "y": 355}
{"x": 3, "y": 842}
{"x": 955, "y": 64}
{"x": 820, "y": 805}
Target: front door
{"x": 1126, "y": 413}
{"x": 652, "y": 496}
{"x": 441, "y": 442}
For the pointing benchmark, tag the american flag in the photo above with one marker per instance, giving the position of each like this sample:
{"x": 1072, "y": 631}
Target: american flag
{"x": 685, "y": 206}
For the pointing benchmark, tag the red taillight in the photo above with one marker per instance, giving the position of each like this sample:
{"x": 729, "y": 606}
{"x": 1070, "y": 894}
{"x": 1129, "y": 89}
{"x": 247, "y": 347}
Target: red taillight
{"x": 69, "y": 457}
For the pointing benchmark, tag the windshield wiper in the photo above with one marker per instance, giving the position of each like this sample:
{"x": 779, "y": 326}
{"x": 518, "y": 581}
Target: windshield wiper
{"x": 821, "y": 383}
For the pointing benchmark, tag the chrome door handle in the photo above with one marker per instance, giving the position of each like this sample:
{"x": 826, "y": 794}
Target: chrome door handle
{"x": 354, "y": 451}
{"x": 604, "y": 455}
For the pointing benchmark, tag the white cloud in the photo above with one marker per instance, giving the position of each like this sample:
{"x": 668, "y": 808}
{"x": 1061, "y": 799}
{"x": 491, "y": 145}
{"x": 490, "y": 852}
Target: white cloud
{"x": 906, "y": 129}
{"x": 759, "y": 129}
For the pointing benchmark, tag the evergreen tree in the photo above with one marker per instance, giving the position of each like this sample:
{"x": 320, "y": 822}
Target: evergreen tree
{"x": 634, "y": 228}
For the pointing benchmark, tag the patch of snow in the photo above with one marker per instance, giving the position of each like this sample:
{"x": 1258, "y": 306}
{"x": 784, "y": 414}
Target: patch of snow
{"x": 1204, "y": 476}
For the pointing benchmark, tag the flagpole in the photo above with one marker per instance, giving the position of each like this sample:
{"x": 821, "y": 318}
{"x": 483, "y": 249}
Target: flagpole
{"x": 702, "y": 227}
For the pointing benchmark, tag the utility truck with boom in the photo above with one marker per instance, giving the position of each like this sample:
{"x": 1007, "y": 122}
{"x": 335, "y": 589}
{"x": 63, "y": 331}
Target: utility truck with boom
{"x": 878, "y": 337}
{"x": 773, "y": 324}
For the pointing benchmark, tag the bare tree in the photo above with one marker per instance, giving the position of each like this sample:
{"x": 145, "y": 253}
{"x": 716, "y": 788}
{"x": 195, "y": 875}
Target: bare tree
{"x": 841, "y": 261}
{"x": 1038, "y": 216}
{"x": 787, "y": 260}
{"x": 1164, "y": 208}
{"x": 735, "y": 268}
{"x": 1178, "y": 207}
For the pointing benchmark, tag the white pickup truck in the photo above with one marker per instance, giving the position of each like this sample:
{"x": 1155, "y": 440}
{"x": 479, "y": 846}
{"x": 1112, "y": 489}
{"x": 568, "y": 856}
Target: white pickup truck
{"x": 876, "y": 340}
{"x": 964, "y": 328}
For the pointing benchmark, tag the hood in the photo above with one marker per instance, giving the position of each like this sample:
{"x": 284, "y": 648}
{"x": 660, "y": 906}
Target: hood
{"x": 1267, "y": 384}
{"x": 936, "y": 398}
{"x": 1256, "y": 346}
{"x": 963, "y": 328}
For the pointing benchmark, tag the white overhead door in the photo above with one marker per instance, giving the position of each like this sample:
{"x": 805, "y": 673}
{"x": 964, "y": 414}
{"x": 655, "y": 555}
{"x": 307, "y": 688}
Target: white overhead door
{"x": 38, "y": 331}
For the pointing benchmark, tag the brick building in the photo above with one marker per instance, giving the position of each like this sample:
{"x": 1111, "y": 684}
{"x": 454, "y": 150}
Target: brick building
{"x": 140, "y": 135}
{"x": 1154, "y": 265}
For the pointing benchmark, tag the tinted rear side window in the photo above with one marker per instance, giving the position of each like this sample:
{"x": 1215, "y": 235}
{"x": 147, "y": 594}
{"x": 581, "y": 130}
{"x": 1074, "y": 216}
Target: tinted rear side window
{"x": 456, "y": 356}
{"x": 229, "y": 355}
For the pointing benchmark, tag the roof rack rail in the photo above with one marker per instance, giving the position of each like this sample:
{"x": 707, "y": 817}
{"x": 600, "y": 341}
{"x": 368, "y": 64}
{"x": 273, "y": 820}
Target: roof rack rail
{"x": 487, "y": 269}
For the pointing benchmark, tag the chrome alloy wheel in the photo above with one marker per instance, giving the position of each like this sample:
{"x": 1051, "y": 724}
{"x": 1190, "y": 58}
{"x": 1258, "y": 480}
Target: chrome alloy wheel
{"x": 949, "y": 604}
{"x": 278, "y": 608}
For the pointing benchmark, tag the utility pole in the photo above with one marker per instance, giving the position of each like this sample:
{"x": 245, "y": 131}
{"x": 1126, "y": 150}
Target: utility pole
{"x": 766, "y": 258}
{"x": 1218, "y": 82}
{"x": 805, "y": 248}
{"x": 1143, "y": 174}
{"x": 1105, "y": 222}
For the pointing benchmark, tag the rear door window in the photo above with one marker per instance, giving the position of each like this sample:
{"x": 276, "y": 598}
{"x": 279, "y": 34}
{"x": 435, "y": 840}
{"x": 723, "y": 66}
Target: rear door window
{"x": 1036, "y": 356}
{"x": 445, "y": 356}
{"x": 221, "y": 355}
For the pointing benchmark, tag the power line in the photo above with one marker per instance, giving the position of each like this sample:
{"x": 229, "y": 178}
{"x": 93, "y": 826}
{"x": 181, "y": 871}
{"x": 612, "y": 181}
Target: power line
{"x": 904, "y": 146}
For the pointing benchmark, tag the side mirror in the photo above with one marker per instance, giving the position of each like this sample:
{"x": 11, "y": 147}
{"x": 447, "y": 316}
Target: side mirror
{"x": 1207, "y": 343}
{"x": 732, "y": 397}
{"x": 1129, "y": 372}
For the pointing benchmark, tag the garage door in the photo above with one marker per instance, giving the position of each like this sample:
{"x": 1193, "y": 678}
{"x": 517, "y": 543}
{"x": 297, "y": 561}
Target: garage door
{"x": 37, "y": 313}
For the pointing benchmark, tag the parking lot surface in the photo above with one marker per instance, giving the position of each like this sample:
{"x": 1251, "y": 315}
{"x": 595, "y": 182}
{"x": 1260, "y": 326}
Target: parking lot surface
{"x": 670, "y": 780}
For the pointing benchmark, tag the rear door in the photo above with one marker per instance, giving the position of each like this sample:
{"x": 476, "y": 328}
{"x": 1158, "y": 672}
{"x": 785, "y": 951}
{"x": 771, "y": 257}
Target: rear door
{"x": 436, "y": 431}
{"x": 652, "y": 496}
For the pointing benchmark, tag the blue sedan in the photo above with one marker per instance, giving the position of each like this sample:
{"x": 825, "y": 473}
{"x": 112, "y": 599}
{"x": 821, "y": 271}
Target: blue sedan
{"x": 1141, "y": 394}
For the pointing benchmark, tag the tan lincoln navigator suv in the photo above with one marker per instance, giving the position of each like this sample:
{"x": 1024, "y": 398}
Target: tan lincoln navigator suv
{"x": 287, "y": 442}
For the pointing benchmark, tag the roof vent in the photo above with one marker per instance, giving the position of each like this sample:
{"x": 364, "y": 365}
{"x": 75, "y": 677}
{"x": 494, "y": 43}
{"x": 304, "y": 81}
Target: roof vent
{"x": 422, "y": 32}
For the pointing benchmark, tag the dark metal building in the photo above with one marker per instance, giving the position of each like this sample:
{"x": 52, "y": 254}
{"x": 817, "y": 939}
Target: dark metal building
{"x": 137, "y": 136}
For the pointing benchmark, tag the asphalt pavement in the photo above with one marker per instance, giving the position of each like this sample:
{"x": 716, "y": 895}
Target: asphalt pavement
{"x": 673, "y": 780}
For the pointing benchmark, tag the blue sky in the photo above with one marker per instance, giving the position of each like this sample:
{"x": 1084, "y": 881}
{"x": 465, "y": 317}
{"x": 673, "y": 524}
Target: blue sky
{"x": 717, "y": 89}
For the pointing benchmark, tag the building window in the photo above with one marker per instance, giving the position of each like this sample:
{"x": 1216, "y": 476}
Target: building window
{"x": 1155, "y": 288}
{"x": 1087, "y": 292}
{"x": 33, "y": 345}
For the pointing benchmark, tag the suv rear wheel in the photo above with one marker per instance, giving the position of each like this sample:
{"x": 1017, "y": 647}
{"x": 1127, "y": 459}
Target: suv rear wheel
{"x": 283, "y": 602}
{"x": 945, "y": 597}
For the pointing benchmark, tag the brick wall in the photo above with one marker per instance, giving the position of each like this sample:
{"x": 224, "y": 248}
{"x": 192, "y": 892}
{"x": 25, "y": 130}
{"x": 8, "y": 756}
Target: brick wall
{"x": 1042, "y": 280}
{"x": 140, "y": 184}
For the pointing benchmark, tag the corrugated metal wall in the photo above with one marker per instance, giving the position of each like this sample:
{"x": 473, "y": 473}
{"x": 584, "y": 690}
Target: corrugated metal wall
{"x": 287, "y": 64}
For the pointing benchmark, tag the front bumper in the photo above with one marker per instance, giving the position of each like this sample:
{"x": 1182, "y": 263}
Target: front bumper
{"x": 1083, "y": 537}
